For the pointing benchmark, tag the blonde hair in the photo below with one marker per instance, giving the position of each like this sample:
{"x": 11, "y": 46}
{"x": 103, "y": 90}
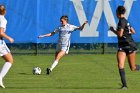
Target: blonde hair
{"x": 2, "y": 10}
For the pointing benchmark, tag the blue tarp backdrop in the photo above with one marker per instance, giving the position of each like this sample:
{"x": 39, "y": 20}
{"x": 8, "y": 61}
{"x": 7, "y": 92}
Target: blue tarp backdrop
{"x": 27, "y": 19}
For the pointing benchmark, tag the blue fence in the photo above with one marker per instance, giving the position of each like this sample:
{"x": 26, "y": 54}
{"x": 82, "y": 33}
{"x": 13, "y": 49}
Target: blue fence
{"x": 29, "y": 18}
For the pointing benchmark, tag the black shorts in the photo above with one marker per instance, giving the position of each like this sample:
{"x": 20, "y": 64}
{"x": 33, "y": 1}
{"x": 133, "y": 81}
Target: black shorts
{"x": 127, "y": 50}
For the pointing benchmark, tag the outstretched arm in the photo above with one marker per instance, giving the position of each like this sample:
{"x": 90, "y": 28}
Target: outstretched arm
{"x": 46, "y": 35}
{"x": 81, "y": 27}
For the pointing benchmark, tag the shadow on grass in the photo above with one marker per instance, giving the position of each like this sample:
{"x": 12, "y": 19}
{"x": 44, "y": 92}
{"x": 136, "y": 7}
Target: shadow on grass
{"x": 23, "y": 73}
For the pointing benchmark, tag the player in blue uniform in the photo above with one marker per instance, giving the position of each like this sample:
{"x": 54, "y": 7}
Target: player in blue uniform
{"x": 126, "y": 45}
{"x": 63, "y": 44}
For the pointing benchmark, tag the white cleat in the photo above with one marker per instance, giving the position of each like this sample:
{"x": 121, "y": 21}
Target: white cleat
{"x": 1, "y": 84}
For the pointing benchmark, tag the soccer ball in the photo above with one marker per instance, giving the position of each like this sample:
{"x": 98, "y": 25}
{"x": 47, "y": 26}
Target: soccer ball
{"x": 36, "y": 70}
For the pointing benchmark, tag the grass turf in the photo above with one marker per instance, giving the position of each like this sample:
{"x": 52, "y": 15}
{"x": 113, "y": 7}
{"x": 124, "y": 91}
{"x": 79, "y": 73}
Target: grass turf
{"x": 74, "y": 74}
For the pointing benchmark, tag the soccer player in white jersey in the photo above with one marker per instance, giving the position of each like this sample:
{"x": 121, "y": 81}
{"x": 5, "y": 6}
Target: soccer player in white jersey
{"x": 4, "y": 50}
{"x": 63, "y": 44}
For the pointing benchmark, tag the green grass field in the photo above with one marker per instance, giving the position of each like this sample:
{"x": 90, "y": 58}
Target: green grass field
{"x": 83, "y": 73}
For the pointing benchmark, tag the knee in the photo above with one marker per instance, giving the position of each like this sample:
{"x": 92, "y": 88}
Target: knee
{"x": 10, "y": 61}
{"x": 120, "y": 66}
{"x": 8, "y": 58}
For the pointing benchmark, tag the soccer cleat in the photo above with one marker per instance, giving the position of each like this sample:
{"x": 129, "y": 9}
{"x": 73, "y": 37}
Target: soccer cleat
{"x": 1, "y": 84}
{"x": 48, "y": 71}
{"x": 124, "y": 87}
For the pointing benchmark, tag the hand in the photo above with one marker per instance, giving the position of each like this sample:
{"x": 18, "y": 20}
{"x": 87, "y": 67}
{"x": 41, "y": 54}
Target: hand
{"x": 111, "y": 28}
{"x": 40, "y": 36}
{"x": 11, "y": 40}
{"x": 85, "y": 22}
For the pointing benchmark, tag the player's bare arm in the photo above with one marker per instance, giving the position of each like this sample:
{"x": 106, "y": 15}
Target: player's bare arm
{"x": 81, "y": 27}
{"x": 3, "y": 35}
{"x": 132, "y": 30}
{"x": 46, "y": 35}
{"x": 118, "y": 33}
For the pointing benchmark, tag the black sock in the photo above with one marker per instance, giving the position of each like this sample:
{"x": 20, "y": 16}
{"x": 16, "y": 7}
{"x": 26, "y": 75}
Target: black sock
{"x": 137, "y": 67}
{"x": 122, "y": 75}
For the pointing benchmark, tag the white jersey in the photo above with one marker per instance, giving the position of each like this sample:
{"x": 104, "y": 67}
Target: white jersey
{"x": 3, "y": 22}
{"x": 3, "y": 47}
{"x": 65, "y": 33}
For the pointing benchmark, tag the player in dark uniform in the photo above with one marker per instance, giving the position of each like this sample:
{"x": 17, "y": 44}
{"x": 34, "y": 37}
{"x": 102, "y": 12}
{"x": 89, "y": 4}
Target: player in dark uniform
{"x": 126, "y": 45}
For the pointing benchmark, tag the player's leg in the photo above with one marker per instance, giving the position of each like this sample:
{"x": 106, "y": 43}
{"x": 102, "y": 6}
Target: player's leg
{"x": 58, "y": 49}
{"x": 121, "y": 56}
{"x": 58, "y": 56}
{"x": 8, "y": 63}
{"x": 62, "y": 51}
{"x": 54, "y": 64}
{"x": 131, "y": 60}
{"x": 56, "y": 53}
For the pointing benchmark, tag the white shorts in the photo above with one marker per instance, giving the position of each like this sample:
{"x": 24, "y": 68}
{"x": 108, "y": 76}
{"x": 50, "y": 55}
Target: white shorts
{"x": 64, "y": 48}
{"x": 3, "y": 48}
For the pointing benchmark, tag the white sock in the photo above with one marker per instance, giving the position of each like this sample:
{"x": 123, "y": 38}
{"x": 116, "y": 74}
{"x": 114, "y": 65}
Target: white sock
{"x": 5, "y": 69}
{"x": 53, "y": 65}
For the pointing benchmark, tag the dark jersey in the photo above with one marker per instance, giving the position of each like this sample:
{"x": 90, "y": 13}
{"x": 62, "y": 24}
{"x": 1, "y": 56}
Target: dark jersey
{"x": 126, "y": 41}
